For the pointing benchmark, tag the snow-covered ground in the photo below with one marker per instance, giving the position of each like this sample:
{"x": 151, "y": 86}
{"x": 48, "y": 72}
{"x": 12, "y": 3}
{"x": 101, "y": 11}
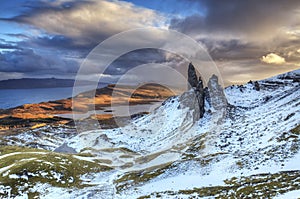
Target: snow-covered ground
{"x": 166, "y": 151}
{"x": 292, "y": 194}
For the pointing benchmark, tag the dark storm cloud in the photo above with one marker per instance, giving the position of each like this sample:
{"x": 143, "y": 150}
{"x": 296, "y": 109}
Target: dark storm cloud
{"x": 58, "y": 43}
{"x": 36, "y": 9}
{"x": 19, "y": 36}
{"x": 86, "y": 22}
{"x": 232, "y": 49}
{"x": 135, "y": 58}
{"x": 42, "y": 6}
{"x": 24, "y": 60}
{"x": 242, "y": 32}
{"x": 255, "y": 21}
{"x": 71, "y": 29}
{"x": 57, "y": 34}
{"x": 8, "y": 46}
{"x": 237, "y": 32}
{"x": 27, "y": 61}
{"x": 247, "y": 17}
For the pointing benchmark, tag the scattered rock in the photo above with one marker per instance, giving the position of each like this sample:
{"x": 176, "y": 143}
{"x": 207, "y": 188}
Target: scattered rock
{"x": 256, "y": 86}
{"x": 65, "y": 149}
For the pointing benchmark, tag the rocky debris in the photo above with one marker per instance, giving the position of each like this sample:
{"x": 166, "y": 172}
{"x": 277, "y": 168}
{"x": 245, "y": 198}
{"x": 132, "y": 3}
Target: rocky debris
{"x": 256, "y": 86}
{"x": 65, "y": 149}
{"x": 293, "y": 75}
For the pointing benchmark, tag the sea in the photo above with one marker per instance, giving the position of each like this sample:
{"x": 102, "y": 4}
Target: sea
{"x": 10, "y": 98}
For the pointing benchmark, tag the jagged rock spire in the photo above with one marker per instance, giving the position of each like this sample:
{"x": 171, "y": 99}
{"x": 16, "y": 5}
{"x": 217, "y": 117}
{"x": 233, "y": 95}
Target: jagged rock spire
{"x": 200, "y": 97}
{"x": 217, "y": 95}
{"x": 192, "y": 77}
{"x": 197, "y": 85}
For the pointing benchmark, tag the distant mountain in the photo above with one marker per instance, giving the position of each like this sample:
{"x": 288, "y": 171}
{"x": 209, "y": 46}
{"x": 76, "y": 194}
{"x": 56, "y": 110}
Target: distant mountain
{"x": 29, "y": 83}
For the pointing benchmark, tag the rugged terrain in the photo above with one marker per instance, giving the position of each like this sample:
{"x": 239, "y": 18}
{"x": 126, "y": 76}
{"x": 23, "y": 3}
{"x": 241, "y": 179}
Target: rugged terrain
{"x": 246, "y": 145}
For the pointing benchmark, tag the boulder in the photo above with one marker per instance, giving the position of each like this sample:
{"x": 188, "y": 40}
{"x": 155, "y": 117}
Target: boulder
{"x": 256, "y": 86}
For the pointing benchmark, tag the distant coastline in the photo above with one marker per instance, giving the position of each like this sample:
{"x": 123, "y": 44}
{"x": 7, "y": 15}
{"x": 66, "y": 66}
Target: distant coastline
{"x": 32, "y": 83}
{"x": 16, "y": 92}
{"x": 10, "y": 98}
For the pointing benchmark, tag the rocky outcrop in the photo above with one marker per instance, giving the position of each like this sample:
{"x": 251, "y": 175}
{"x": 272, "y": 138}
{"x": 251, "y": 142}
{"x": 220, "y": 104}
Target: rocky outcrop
{"x": 256, "y": 86}
{"x": 217, "y": 95}
{"x": 189, "y": 100}
{"x": 218, "y": 100}
{"x": 197, "y": 86}
{"x": 195, "y": 98}
{"x": 65, "y": 149}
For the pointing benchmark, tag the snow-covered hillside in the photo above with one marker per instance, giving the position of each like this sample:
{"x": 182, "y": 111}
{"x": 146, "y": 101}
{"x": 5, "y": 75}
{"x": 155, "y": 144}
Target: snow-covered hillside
{"x": 250, "y": 149}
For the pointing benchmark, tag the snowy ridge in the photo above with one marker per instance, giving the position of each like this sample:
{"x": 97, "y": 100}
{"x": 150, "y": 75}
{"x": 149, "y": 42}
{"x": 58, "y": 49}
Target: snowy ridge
{"x": 162, "y": 134}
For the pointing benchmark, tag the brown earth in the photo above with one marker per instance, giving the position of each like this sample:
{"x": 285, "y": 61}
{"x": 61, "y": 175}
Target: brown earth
{"x": 37, "y": 115}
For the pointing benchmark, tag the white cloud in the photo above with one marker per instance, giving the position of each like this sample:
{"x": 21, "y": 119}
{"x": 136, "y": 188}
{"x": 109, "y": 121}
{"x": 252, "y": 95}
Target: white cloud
{"x": 98, "y": 19}
{"x": 273, "y": 58}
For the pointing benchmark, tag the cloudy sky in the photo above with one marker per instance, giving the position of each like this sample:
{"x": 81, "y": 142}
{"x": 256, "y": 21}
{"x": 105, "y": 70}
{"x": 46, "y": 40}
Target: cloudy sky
{"x": 250, "y": 39}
